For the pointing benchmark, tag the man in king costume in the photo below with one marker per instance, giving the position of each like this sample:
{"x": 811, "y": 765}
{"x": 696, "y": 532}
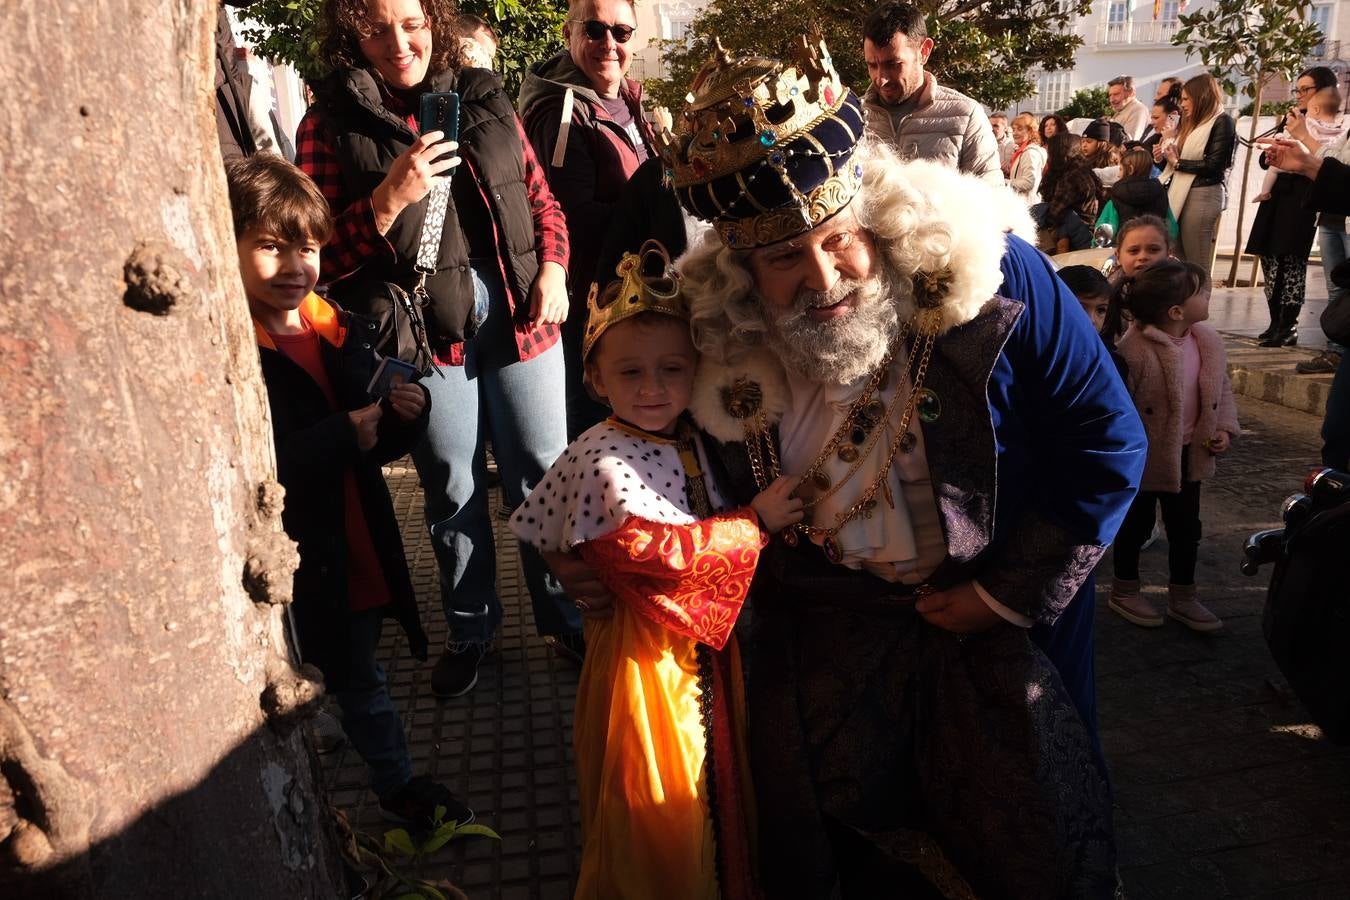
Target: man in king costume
{"x": 967, "y": 451}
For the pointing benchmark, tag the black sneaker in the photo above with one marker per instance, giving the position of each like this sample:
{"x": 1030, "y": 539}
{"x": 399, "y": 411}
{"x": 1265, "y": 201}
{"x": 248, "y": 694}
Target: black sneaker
{"x": 571, "y": 647}
{"x": 456, "y": 672}
{"x": 415, "y": 804}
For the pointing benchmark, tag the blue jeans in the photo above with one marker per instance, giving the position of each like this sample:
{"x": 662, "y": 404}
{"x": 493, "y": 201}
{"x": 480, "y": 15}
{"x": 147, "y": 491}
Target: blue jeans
{"x": 520, "y": 406}
{"x": 1335, "y": 247}
{"x": 368, "y": 715}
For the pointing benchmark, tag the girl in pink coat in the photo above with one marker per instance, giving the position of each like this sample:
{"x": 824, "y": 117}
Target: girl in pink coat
{"x": 1178, "y": 377}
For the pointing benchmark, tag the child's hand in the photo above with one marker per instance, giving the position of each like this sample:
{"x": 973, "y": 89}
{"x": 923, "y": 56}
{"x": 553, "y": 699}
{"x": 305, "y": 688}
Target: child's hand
{"x": 1261, "y": 198}
{"x": 407, "y": 401}
{"x": 365, "y": 421}
{"x": 775, "y": 505}
{"x": 1219, "y": 443}
{"x": 580, "y": 582}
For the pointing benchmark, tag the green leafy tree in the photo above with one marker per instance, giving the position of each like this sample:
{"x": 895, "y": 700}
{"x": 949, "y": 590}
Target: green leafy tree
{"x": 288, "y": 31}
{"x": 1268, "y": 107}
{"x": 1087, "y": 103}
{"x": 984, "y": 49}
{"x": 1246, "y": 43}
{"x": 530, "y": 30}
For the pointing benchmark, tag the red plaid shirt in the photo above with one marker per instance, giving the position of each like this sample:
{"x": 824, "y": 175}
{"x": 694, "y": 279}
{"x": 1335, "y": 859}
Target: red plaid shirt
{"x": 356, "y": 240}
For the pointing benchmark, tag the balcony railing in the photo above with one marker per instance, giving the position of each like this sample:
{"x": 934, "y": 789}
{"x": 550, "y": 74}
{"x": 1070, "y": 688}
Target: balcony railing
{"x": 1136, "y": 34}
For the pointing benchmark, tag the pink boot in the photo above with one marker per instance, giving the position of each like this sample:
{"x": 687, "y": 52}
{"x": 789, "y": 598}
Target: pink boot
{"x": 1126, "y": 600}
{"x": 1182, "y": 606}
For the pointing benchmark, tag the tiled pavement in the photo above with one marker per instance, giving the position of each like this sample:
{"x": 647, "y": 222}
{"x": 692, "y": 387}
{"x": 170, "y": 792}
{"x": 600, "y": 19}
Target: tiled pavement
{"x": 505, "y": 747}
{"x": 1223, "y": 788}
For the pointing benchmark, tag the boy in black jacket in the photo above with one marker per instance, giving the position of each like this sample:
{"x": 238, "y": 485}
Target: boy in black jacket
{"x": 331, "y": 439}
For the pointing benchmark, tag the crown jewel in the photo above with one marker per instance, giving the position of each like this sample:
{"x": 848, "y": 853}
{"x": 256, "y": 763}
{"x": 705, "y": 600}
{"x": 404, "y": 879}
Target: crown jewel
{"x": 764, "y": 148}
{"x": 647, "y": 282}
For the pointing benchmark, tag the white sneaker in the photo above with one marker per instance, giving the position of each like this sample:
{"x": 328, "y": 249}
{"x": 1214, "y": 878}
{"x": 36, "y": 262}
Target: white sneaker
{"x": 1153, "y": 535}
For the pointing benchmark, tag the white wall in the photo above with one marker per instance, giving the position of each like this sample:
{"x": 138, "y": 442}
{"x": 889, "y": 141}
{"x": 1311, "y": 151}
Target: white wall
{"x": 657, "y": 20}
{"x": 1139, "y": 46}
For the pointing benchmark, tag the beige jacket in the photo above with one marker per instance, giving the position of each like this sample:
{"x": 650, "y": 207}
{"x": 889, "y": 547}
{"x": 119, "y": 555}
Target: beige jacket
{"x": 1025, "y": 174}
{"x": 940, "y": 124}
{"x": 1133, "y": 117}
{"x": 1154, "y": 380}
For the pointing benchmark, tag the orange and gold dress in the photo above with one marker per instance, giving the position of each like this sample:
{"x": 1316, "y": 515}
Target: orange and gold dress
{"x": 659, "y": 731}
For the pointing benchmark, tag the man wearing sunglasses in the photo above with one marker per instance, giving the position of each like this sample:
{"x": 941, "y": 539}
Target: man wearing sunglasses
{"x": 584, "y": 117}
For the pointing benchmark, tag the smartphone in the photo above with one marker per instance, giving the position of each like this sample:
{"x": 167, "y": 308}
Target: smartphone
{"x": 1173, "y": 120}
{"x": 440, "y": 112}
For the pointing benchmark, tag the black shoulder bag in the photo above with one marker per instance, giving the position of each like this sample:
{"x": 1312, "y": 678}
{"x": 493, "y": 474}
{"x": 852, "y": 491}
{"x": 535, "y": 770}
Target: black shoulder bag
{"x": 397, "y": 311}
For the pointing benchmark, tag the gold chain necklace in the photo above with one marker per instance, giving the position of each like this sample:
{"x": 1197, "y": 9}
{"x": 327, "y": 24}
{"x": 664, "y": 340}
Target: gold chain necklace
{"x": 814, "y": 473}
{"x": 763, "y": 473}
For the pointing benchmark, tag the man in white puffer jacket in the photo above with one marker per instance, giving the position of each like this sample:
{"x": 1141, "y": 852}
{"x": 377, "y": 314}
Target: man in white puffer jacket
{"x": 906, "y": 106}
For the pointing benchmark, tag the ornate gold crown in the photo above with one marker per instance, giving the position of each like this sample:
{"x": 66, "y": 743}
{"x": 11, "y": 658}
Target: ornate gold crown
{"x": 647, "y": 283}
{"x": 764, "y": 148}
{"x": 744, "y": 108}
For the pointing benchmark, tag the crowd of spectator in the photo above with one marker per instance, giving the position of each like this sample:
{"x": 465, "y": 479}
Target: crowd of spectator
{"x": 500, "y": 244}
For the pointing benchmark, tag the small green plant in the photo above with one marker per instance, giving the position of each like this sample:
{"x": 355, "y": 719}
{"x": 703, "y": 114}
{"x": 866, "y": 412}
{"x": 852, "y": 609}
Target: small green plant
{"x": 1271, "y": 108}
{"x": 1087, "y": 103}
{"x": 396, "y": 862}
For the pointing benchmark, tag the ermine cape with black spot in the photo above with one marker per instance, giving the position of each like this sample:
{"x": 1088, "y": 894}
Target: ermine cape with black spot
{"x": 604, "y": 477}
{"x": 659, "y": 730}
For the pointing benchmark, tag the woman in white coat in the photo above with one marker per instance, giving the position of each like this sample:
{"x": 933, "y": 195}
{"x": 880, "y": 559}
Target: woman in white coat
{"x": 1028, "y": 160}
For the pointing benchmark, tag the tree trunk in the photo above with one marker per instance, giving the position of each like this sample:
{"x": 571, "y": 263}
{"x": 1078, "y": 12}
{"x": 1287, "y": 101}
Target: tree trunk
{"x": 147, "y": 745}
{"x": 1242, "y": 192}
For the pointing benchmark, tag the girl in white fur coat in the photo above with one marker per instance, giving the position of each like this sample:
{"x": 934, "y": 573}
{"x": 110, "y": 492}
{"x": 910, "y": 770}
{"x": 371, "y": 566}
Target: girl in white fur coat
{"x": 1178, "y": 377}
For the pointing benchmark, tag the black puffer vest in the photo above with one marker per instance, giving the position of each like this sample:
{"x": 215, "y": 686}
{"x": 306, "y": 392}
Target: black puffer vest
{"x": 367, "y": 138}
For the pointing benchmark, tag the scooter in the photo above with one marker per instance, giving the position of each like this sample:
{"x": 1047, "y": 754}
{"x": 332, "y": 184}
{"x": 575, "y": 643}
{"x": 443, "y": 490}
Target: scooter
{"x": 1306, "y": 620}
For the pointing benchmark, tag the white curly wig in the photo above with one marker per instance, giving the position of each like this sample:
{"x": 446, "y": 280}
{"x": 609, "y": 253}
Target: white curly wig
{"x": 922, "y": 216}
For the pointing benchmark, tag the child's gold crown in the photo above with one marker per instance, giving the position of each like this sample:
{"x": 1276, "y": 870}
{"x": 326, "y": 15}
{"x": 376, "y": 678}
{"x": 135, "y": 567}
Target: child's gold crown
{"x": 647, "y": 283}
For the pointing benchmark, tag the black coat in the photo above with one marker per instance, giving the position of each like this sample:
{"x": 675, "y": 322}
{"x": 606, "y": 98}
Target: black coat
{"x": 648, "y": 211}
{"x": 1282, "y": 226}
{"x": 1330, "y": 193}
{"x": 316, "y": 446}
{"x": 1139, "y": 196}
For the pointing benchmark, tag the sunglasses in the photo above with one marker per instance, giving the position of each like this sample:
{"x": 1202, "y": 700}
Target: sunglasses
{"x": 595, "y": 30}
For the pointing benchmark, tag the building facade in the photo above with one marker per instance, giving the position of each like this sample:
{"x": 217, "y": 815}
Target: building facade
{"x": 1134, "y": 37}
{"x": 666, "y": 20}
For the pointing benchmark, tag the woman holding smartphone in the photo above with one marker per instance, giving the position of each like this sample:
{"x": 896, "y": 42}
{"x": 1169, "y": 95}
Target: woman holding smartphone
{"x": 1283, "y": 229}
{"x": 497, "y": 296}
{"x": 1197, "y": 168}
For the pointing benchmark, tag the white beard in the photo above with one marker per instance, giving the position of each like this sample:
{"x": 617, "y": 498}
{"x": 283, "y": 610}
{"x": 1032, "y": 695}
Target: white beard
{"x": 842, "y": 350}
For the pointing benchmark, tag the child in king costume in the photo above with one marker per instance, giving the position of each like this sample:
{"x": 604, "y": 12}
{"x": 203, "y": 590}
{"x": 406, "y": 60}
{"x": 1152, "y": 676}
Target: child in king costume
{"x": 659, "y": 732}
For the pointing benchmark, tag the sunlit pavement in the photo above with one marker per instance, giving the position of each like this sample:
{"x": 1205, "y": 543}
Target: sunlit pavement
{"x": 1223, "y": 788}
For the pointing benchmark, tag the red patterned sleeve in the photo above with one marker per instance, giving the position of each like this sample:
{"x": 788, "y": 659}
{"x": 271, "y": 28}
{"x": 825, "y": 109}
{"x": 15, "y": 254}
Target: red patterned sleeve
{"x": 355, "y": 239}
{"x": 550, "y": 225}
{"x": 691, "y": 579}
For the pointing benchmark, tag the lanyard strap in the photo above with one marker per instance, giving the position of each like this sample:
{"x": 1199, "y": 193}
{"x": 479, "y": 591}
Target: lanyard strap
{"x": 433, "y": 226}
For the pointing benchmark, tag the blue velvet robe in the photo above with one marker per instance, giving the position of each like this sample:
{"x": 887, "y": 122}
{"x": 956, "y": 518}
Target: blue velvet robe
{"x": 881, "y": 745}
